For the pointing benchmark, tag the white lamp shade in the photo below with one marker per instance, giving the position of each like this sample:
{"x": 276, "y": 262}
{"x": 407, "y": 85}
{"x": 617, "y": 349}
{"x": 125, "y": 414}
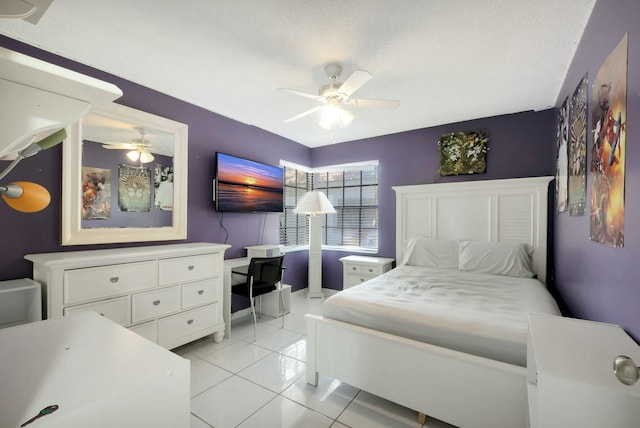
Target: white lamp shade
{"x": 314, "y": 203}
{"x": 133, "y": 155}
{"x": 333, "y": 115}
{"x": 146, "y": 157}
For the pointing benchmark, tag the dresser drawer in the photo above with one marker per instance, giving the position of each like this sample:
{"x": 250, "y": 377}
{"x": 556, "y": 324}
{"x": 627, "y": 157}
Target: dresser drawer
{"x": 185, "y": 269}
{"x": 154, "y": 303}
{"x": 200, "y": 293}
{"x": 148, "y": 330}
{"x": 185, "y": 323}
{"x": 117, "y": 310}
{"x": 83, "y": 285}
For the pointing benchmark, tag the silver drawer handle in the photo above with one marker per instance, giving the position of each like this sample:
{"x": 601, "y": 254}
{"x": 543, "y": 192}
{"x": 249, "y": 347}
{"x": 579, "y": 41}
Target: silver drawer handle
{"x": 156, "y": 302}
{"x": 191, "y": 267}
{"x": 190, "y": 322}
{"x": 114, "y": 279}
{"x": 370, "y": 270}
{"x": 361, "y": 279}
{"x": 200, "y": 292}
{"x": 353, "y": 268}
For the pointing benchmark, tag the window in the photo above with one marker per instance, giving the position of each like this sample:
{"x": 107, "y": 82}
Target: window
{"x": 353, "y": 191}
{"x": 294, "y": 230}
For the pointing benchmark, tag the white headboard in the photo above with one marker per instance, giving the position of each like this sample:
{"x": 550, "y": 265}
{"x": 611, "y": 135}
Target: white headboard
{"x": 512, "y": 210}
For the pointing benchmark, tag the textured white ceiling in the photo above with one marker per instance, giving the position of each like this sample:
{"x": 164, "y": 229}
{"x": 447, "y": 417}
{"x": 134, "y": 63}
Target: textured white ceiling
{"x": 444, "y": 60}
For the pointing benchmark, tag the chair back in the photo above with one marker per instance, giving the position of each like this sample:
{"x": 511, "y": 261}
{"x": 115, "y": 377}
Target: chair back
{"x": 266, "y": 270}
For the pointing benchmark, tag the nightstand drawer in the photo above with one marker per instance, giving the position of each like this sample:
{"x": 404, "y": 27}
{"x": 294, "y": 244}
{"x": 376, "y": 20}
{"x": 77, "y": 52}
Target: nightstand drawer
{"x": 117, "y": 310}
{"x": 185, "y": 269}
{"x": 358, "y": 269}
{"x": 363, "y": 269}
{"x": 351, "y": 280}
{"x": 154, "y": 303}
{"x": 83, "y": 285}
{"x": 199, "y": 293}
{"x": 185, "y": 323}
{"x": 352, "y": 268}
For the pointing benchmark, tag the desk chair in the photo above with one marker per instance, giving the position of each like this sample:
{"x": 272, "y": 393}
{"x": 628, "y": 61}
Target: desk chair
{"x": 263, "y": 276}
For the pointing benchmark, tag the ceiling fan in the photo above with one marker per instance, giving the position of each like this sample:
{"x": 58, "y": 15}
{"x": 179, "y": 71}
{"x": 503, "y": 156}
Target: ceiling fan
{"x": 140, "y": 148}
{"x": 336, "y": 95}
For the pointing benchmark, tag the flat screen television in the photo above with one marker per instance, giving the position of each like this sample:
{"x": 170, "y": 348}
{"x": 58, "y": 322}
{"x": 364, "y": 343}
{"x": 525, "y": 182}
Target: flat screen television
{"x": 243, "y": 185}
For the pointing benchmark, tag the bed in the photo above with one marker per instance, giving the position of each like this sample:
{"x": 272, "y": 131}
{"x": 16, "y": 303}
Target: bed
{"x": 462, "y": 368}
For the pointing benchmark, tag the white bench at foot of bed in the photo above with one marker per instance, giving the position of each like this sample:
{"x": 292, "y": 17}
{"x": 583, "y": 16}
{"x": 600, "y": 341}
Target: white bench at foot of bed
{"x": 461, "y": 389}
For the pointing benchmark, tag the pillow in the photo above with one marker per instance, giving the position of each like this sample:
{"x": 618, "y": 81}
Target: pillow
{"x": 435, "y": 253}
{"x": 498, "y": 258}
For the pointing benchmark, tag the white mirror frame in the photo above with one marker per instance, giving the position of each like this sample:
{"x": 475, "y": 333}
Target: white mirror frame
{"x": 72, "y": 231}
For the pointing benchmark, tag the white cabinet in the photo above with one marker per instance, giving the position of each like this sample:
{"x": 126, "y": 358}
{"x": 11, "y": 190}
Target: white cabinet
{"x": 99, "y": 374}
{"x": 358, "y": 269}
{"x": 170, "y": 294}
{"x": 20, "y": 302}
{"x": 271, "y": 303}
{"x": 570, "y": 379}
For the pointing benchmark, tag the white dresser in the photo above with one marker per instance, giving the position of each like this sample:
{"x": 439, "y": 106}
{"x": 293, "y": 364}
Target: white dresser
{"x": 358, "y": 269}
{"x": 170, "y": 294}
{"x": 570, "y": 378}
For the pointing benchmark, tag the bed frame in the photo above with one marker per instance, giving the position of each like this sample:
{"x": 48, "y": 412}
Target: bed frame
{"x": 462, "y": 389}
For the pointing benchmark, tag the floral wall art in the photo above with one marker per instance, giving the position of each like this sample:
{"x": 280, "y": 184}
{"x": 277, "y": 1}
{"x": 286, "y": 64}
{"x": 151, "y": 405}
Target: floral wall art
{"x": 463, "y": 153}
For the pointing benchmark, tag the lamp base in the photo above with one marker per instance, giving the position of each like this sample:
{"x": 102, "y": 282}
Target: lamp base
{"x": 315, "y": 294}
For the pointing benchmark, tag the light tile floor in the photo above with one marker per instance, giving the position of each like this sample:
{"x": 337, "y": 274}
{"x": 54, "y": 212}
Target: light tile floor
{"x": 241, "y": 383}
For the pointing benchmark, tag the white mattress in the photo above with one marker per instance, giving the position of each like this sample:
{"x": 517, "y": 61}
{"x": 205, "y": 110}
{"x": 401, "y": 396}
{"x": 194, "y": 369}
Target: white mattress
{"x": 475, "y": 313}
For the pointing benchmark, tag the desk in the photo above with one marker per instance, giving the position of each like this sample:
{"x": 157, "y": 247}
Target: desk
{"x": 240, "y": 264}
{"x": 99, "y": 373}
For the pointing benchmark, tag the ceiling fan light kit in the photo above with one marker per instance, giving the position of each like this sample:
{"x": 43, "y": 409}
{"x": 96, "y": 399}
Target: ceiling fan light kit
{"x": 335, "y": 95}
{"x": 139, "y": 147}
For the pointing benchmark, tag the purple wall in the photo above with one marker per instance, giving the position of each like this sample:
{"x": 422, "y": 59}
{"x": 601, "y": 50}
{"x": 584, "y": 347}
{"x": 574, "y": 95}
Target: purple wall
{"x": 208, "y": 132}
{"x": 595, "y": 281}
{"x": 519, "y": 146}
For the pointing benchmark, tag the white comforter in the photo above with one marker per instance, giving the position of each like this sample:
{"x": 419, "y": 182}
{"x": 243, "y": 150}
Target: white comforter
{"x": 476, "y": 313}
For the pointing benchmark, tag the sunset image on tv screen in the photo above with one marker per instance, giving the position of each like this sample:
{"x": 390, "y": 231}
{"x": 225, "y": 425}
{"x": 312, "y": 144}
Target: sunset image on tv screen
{"x": 247, "y": 186}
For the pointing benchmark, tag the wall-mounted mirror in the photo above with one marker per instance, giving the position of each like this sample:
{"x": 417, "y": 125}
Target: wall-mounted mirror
{"x": 124, "y": 178}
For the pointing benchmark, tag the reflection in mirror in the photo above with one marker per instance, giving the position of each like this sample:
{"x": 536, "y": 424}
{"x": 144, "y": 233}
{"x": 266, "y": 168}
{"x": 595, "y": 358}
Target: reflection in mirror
{"x": 124, "y": 178}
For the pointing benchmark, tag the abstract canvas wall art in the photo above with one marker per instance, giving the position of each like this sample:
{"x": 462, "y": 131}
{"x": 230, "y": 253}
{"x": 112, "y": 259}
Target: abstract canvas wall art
{"x": 609, "y": 115}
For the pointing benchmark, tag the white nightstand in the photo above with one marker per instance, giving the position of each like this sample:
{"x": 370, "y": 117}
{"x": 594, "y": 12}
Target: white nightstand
{"x": 570, "y": 379}
{"x": 358, "y": 269}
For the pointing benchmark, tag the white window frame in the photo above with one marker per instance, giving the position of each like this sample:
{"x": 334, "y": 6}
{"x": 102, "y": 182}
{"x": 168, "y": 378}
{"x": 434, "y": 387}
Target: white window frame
{"x": 341, "y": 168}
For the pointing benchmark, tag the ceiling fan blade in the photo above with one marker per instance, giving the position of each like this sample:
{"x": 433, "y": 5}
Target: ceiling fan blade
{"x": 303, "y": 114}
{"x": 365, "y": 103}
{"x": 157, "y": 151}
{"x": 302, "y": 94}
{"x": 119, "y": 146}
{"x": 354, "y": 82}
